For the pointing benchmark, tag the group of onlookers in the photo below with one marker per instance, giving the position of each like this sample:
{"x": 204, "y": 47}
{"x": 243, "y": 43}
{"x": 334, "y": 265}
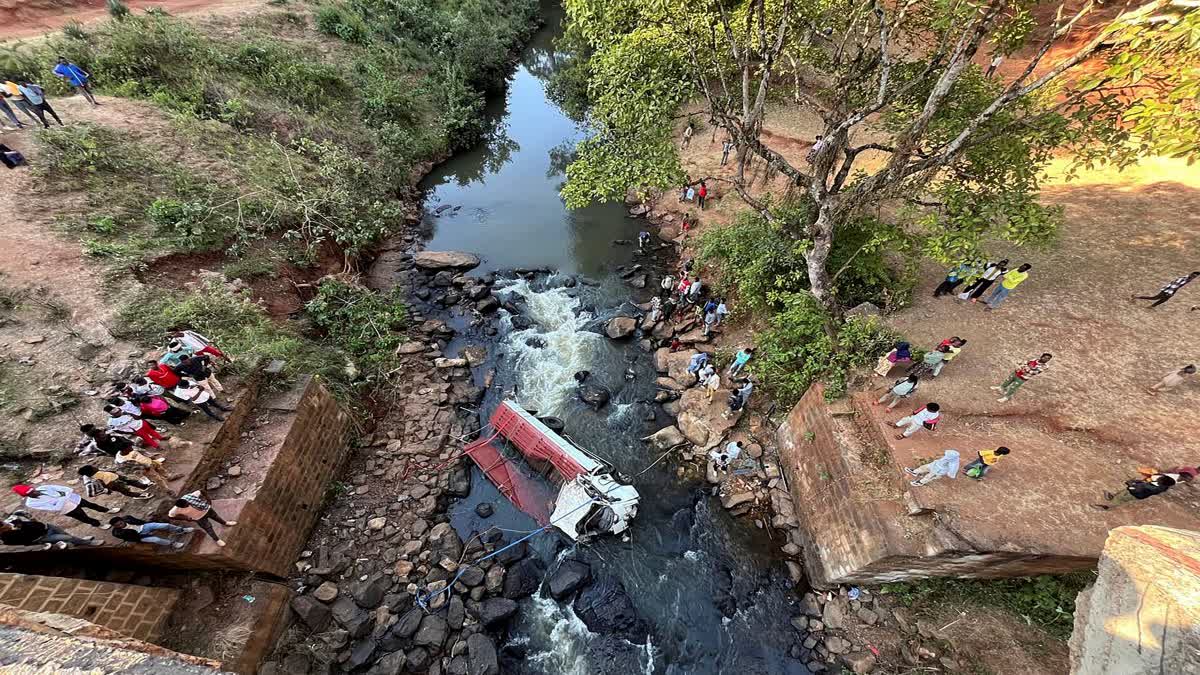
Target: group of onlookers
{"x": 177, "y": 384}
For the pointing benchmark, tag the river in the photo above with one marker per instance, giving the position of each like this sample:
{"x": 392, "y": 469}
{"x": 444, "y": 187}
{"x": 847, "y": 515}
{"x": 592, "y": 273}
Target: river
{"x": 713, "y": 594}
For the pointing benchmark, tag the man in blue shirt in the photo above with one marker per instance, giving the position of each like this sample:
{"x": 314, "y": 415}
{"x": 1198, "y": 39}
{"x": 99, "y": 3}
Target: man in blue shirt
{"x": 76, "y": 76}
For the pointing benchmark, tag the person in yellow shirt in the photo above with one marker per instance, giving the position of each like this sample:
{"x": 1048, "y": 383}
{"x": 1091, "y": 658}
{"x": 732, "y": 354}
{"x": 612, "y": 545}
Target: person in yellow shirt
{"x": 1008, "y": 282}
{"x": 986, "y": 460}
{"x": 12, "y": 93}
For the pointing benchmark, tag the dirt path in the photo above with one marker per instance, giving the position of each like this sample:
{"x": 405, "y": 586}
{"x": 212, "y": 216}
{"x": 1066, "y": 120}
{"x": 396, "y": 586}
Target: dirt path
{"x": 24, "y": 19}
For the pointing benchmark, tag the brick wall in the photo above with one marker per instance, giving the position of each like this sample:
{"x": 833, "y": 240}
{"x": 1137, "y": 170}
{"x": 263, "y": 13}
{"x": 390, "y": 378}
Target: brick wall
{"x": 274, "y": 526}
{"x": 855, "y": 525}
{"x": 136, "y": 611}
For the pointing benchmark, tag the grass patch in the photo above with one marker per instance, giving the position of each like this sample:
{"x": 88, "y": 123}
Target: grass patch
{"x": 1046, "y": 601}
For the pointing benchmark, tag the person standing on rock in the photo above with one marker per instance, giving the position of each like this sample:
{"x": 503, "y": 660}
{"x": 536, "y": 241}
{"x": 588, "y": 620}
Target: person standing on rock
{"x": 62, "y": 500}
{"x": 76, "y": 77}
{"x": 722, "y": 310}
{"x": 946, "y": 466}
{"x": 721, "y": 459}
{"x": 1021, "y": 375}
{"x": 1136, "y": 490}
{"x": 1008, "y": 283}
{"x": 1167, "y": 292}
{"x": 901, "y": 390}
{"x": 710, "y": 321}
{"x": 740, "y": 360}
{"x": 740, "y": 398}
{"x": 643, "y": 241}
{"x": 667, "y": 285}
{"x": 1173, "y": 379}
{"x": 194, "y": 507}
{"x": 978, "y": 468}
{"x": 695, "y": 291}
{"x": 697, "y": 363}
{"x": 712, "y": 383}
{"x": 922, "y": 418}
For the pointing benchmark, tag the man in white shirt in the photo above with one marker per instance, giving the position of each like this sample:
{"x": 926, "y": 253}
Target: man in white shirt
{"x": 925, "y": 418}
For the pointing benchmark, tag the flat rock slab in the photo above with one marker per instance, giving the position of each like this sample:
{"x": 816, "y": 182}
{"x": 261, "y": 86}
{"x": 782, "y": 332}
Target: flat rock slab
{"x": 441, "y": 260}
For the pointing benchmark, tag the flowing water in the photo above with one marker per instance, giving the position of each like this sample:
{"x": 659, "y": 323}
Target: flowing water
{"x": 712, "y": 592}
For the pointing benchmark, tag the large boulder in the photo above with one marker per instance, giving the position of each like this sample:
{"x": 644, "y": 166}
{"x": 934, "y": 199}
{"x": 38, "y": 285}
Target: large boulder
{"x": 495, "y": 611}
{"x": 605, "y": 607}
{"x": 523, "y": 579}
{"x": 312, "y": 612}
{"x": 441, "y": 260}
{"x": 664, "y": 438}
{"x": 569, "y": 577}
{"x": 432, "y": 632}
{"x": 481, "y": 655}
{"x": 620, "y": 327}
{"x": 593, "y": 394}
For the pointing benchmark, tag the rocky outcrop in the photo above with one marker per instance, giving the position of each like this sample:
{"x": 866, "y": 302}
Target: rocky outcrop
{"x": 443, "y": 260}
{"x": 620, "y": 327}
{"x": 605, "y": 607}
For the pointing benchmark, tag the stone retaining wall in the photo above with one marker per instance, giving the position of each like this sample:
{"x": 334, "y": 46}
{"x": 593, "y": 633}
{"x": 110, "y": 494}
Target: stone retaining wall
{"x": 136, "y": 611}
{"x": 857, "y": 525}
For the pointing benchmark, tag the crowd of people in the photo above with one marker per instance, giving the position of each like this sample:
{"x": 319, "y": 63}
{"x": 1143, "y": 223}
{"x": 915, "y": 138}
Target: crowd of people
{"x": 180, "y": 383}
{"x": 968, "y": 282}
{"x": 28, "y": 98}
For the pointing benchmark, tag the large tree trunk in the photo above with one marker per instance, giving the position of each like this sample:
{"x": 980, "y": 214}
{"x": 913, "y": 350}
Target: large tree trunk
{"x": 819, "y": 280}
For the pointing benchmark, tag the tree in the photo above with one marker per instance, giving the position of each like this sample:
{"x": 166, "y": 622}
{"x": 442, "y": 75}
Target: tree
{"x": 901, "y": 82}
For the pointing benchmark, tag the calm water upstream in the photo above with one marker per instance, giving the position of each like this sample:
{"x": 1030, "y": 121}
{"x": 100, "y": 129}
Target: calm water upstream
{"x": 712, "y": 594}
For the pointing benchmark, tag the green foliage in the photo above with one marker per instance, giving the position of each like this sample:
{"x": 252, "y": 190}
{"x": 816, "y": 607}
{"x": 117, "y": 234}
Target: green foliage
{"x": 764, "y": 261}
{"x": 118, "y": 9}
{"x": 192, "y": 224}
{"x": 83, "y": 149}
{"x": 73, "y": 30}
{"x": 364, "y": 323}
{"x": 795, "y": 350}
{"x": 1045, "y": 601}
{"x": 239, "y": 325}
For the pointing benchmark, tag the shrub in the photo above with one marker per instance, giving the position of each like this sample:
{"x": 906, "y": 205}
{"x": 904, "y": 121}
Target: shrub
{"x": 235, "y": 322}
{"x": 366, "y": 324}
{"x": 193, "y": 224}
{"x": 795, "y": 351}
{"x": 118, "y": 10}
{"x": 73, "y": 30}
{"x": 1046, "y": 601}
{"x": 83, "y": 149}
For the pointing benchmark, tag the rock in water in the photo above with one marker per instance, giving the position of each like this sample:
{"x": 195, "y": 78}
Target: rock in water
{"x": 523, "y": 579}
{"x": 605, "y": 607}
{"x": 570, "y": 576}
{"x": 610, "y": 655}
{"x": 665, "y": 438}
{"x": 620, "y": 327}
{"x": 440, "y": 260}
{"x": 593, "y": 395}
{"x": 495, "y": 611}
{"x": 481, "y": 655}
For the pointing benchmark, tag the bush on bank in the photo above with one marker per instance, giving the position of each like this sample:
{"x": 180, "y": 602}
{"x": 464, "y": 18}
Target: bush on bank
{"x": 760, "y": 262}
